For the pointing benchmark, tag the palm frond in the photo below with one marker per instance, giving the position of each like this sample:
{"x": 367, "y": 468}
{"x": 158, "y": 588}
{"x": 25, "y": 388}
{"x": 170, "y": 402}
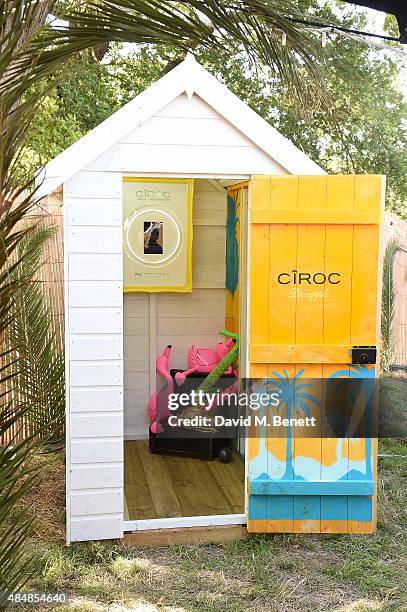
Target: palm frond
{"x": 38, "y": 363}
{"x": 17, "y": 476}
{"x": 256, "y": 25}
{"x": 19, "y": 260}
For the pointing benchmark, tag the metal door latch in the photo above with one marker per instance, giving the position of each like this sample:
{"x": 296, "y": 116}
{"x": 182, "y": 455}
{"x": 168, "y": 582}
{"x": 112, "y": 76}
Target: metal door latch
{"x": 364, "y": 354}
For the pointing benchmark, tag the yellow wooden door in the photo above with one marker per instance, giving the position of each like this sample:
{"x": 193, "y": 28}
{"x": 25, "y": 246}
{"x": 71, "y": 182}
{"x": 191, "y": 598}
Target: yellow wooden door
{"x": 313, "y": 297}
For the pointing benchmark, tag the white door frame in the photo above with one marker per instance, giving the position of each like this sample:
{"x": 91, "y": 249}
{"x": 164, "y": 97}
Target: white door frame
{"x": 216, "y": 519}
{"x": 185, "y": 521}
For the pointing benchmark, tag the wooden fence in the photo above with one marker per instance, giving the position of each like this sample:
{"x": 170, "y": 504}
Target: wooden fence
{"x": 396, "y": 229}
{"x": 51, "y": 275}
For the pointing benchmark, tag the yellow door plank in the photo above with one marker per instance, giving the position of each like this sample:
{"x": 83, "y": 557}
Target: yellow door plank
{"x": 282, "y": 298}
{"x": 284, "y": 192}
{"x": 340, "y": 192}
{"x": 369, "y": 192}
{"x": 311, "y": 193}
{"x": 364, "y": 285}
{"x": 309, "y": 331}
{"x": 337, "y": 316}
{"x": 301, "y": 354}
{"x": 259, "y": 283}
{"x": 260, "y": 192}
{"x": 316, "y": 216}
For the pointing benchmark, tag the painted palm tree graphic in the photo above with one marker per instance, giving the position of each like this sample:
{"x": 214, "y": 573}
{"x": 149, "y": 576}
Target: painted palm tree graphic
{"x": 363, "y": 395}
{"x": 294, "y": 400}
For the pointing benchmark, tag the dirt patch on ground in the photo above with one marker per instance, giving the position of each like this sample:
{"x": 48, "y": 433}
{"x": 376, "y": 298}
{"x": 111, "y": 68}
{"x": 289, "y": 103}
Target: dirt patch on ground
{"x": 47, "y": 500}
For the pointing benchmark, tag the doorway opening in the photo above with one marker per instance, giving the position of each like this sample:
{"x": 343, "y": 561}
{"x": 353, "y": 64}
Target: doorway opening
{"x": 199, "y": 481}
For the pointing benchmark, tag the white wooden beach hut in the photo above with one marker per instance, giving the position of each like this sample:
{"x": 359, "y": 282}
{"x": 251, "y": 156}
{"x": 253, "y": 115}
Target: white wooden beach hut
{"x": 187, "y": 125}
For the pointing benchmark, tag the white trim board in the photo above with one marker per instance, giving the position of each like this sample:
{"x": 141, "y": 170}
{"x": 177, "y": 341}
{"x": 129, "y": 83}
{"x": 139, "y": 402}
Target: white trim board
{"x": 185, "y": 521}
{"x": 191, "y": 78}
{"x": 68, "y": 518}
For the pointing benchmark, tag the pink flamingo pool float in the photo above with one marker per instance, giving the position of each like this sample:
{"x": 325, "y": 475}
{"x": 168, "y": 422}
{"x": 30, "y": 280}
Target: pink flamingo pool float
{"x": 159, "y": 399}
{"x": 202, "y": 360}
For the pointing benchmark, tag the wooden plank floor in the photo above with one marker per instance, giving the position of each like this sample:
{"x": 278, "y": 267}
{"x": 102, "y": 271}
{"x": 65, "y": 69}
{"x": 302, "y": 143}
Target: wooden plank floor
{"x": 156, "y": 486}
{"x": 185, "y": 535}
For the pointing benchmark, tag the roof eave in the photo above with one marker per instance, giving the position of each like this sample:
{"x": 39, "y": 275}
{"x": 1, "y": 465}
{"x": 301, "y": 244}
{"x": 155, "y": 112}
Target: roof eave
{"x": 188, "y": 77}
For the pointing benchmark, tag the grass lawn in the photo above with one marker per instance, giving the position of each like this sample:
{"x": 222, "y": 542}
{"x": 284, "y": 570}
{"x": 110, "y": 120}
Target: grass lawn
{"x": 282, "y": 573}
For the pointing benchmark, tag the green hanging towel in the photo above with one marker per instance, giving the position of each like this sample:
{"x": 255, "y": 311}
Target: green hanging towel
{"x": 232, "y": 250}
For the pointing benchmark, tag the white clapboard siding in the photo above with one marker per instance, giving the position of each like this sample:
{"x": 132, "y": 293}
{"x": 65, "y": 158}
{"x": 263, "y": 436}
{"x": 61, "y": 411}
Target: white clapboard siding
{"x": 136, "y": 305}
{"x": 96, "y": 321}
{"x": 135, "y": 424}
{"x": 210, "y": 131}
{"x": 181, "y": 319}
{"x": 208, "y": 238}
{"x": 102, "y": 399}
{"x": 93, "y": 527}
{"x": 136, "y": 326}
{"x": 190, "y": 325}
{"x": 137, "y": 396}
{"x": 192, "y": 159}
{"x": 93, "y": 477}
{"x": 96, "y": 450}
{"x": 178, "y": 94}
{"x": 183, "y": 342}
{"x": 96, "y": 267}
{"x": 94, "y": 353}
{"x": 206, "y": 216}
{"x": 183, "y": 106}
{"x": 134, "y": 381}
{"x": 187, "y": 136}
{"x": 110, "y": 425}
{"x": 104, "y": 346}
{"x": 135, "y": 365}
{"x": 209, "y": 275}
{"x": 94, "y": 211}
{"x": 133, "y": 349}
{"x": 95, "y": 294}
{"x": 95, "y": 239}
{"x": 211, "y": 255}
{"x": 84, "y": 502}
{"x": 207, "y": 199}
{"x": 190, "y": 308}
{"x": 85, "y": 374}
{"x": 93, "y": 185}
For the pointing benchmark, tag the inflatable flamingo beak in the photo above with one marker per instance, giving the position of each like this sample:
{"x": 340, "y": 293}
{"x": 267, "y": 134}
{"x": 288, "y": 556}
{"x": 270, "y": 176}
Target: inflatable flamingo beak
{"x": 161, "y": 363}
{"x": 180, "y": 378}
